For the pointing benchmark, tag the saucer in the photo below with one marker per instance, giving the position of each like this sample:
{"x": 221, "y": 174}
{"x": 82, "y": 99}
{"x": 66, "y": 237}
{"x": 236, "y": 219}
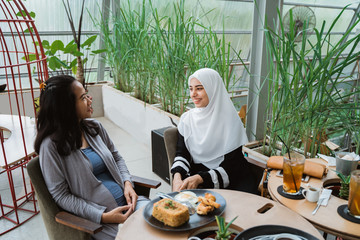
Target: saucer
{"x": 297, "y": 196}
{"x": 343, "y": 211}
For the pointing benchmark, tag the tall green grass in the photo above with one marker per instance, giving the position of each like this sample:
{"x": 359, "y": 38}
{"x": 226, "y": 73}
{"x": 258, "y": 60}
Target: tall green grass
{"x": 152, "y": 55}
{"x": 305, "y": 86}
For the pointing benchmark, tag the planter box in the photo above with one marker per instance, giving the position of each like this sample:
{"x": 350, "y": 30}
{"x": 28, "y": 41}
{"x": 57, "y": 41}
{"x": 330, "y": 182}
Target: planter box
{"x": 254, "y": 151}
{"x": 27, "y": 98}
{"x": 94, "y": 90}
{"x": 133, "y": 115}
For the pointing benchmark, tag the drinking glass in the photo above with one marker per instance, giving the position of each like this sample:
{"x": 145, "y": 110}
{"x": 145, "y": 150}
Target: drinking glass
{"x": 354, "y": 194}
{"x": 293, "y": 169}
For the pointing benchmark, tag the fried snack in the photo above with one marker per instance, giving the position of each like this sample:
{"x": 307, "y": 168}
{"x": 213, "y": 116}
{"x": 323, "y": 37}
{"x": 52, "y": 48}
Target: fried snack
{"x": 203, "y": 209}
{"x": 210, "y": 196}
{"x": 207, "y": 204}
{"x": 170, "y": 212}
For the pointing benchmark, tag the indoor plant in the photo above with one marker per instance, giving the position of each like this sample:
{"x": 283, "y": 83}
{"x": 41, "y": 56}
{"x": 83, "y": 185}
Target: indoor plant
{"x": 306, "y": 82}
{"x": 180, "y": 45}
{"x": 72, "y": 56}
{"x": 344, "y": 185}
{"x": 223, "y": 233}
{"x": 220, "y": 231}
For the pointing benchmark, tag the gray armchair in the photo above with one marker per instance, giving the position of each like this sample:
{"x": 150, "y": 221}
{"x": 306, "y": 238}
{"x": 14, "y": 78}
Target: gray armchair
{"x": 63, "y": 225}
{"x": 170, "y": 139}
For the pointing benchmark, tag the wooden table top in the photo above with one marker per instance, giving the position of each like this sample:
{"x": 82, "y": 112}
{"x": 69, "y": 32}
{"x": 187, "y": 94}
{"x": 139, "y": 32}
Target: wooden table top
{"x": 326, "y": 219}
{"x": 244, "y": 205}
{"x": 14, "y": 147}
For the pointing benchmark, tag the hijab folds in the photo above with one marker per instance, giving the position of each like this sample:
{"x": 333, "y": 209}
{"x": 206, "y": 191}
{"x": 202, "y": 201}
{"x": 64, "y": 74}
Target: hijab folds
{"x": 215, "y": 130}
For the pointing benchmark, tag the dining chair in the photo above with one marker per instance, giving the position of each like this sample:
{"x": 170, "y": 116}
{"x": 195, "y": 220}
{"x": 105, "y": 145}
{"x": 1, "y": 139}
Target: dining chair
{"x": 171, "y": 137}
{"x": 64, "y": 225}
{"x": 170, "y": 140}
{"x": 242, "y": 114}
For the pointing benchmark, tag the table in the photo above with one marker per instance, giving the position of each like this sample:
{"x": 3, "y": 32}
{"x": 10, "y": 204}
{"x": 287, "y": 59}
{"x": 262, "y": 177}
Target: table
{"x": 247, "y": 207}
{"x": 326, "y": 219}
{"x": 19, "y": 149}
{"x": 14, "y": 146}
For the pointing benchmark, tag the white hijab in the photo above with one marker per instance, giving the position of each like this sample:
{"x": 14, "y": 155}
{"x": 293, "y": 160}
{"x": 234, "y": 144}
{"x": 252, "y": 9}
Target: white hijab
{"x": 215, "y": 130}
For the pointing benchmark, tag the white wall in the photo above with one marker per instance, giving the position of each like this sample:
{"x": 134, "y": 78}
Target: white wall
{"x": 25, "y": 98}
{"x": 129, "y": 113}
{"x": 94, "y": 90}
{"x": 133, "y": 116}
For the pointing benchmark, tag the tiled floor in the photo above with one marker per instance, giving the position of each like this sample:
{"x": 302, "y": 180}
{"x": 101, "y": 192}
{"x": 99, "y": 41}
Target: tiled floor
{"x": 138, "y": 160}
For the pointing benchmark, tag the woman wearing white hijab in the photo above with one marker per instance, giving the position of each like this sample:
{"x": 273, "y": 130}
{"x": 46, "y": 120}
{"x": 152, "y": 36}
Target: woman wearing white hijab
{"x": 209, "y": 149}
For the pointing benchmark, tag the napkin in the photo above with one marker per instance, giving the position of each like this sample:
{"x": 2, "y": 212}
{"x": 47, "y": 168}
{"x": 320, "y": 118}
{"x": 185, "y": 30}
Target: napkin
{"x": 331, "y": 160}
{"x": 325, "y": 194}
{"x": 351, "y": 156}
{"x": 311, "y": 168}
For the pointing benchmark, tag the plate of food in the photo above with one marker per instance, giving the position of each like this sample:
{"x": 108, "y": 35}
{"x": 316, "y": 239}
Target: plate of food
{"x": 274, "y": 232}
{"x": 170, "y": 215}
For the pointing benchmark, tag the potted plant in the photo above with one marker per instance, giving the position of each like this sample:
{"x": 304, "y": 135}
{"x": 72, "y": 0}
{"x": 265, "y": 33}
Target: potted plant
{"x": 306, "y": 82}
{"x": 222, "y": 231}
{"x": 72, "y": 56}
{"x": 344, "y": 185}
{"x": 177, "y": 50}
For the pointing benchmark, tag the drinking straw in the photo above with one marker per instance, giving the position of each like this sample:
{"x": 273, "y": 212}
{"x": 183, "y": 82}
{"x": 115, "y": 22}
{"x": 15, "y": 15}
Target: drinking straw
{"x": 292, "y": 174}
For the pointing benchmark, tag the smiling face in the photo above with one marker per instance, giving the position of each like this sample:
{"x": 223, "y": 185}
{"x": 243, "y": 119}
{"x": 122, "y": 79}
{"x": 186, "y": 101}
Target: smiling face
{"x": 83, "y": 101}
{"x": 198, "y": 93}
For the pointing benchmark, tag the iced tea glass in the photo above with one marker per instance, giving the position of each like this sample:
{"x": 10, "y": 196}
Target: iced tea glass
{"x": 354, "y": 194}
{"x": 293, "y": 169}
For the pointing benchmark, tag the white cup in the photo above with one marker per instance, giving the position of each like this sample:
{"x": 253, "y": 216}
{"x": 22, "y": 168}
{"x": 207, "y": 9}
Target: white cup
{"x": 311, "y": 194}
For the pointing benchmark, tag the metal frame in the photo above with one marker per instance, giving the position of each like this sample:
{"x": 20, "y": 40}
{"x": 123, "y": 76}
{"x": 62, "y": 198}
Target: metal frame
{"x": 256, "y": 114}
{"x": 12, "y": 51}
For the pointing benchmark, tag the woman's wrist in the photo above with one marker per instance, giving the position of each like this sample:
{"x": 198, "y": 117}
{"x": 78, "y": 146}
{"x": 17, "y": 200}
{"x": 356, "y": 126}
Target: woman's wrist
{"x": 127, "y": 182}
{"x": 177, "y": 176}
{"x": 104, "y": 217}
{"x": 200, "y": 180}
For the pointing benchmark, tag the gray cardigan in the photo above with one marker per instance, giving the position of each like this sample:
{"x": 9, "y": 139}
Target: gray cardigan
{"x": 70, "y": 179}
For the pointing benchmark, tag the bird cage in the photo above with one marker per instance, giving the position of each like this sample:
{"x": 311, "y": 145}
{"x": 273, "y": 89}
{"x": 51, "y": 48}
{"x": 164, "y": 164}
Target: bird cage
{"x": 22, "y": 69}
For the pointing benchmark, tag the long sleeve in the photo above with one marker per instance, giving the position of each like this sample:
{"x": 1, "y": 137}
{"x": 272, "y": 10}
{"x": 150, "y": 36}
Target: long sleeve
{"x": 224, "y": 176}
{"x": 182, "y": 158}
{"x": 226, "y": 173}
{"x": 55, "y": 174}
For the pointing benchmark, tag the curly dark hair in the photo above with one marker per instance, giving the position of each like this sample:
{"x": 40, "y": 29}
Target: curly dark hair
{"x": 57, "y": 116}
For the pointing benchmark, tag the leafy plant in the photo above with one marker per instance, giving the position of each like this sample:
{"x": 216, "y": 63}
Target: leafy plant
{"x": 70, "y": 57}
{"x": 130, "y": 52}
{"x": 173, "y": 38}
{"x": 152, "y": 55}
{"x": 306, "y": 80}
{"x": 223, "y": 233}
{"x": 344, "y": 187}
{"x": 62, "y": 58}
{"x": 76, "y": 40}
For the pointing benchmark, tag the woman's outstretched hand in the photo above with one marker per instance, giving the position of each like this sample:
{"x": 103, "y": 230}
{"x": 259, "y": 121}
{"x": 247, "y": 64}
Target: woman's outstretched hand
{"x": 191, "y": 182}
{"x": 116, "y": 215}
{"x": 130, "y": 195}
